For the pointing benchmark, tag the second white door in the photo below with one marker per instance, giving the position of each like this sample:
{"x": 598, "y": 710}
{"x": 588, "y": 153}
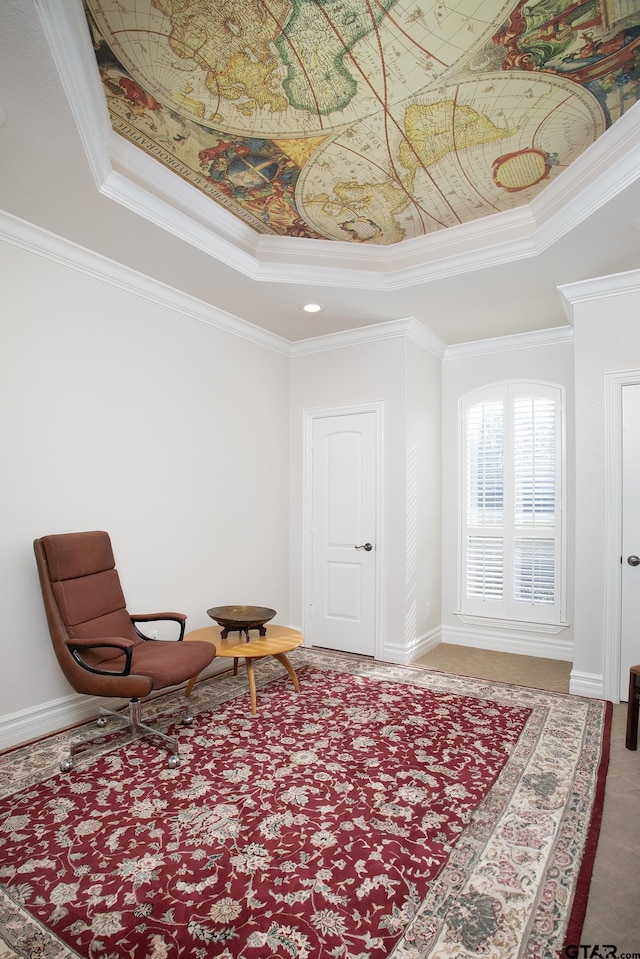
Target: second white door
{"x": 343, "y": 532}
{"x": 630, "y": 600}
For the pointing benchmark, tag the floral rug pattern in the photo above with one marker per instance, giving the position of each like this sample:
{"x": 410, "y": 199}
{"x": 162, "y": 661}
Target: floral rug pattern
{"x": 383, "y": 811}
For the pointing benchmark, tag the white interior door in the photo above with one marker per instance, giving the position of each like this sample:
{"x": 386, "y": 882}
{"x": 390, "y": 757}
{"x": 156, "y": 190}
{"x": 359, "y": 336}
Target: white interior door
{"x": 630, "y": 601}
{"x": 342, "y": 605}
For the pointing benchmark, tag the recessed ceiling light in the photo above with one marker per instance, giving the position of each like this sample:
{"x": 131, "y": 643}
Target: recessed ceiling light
{"x": 313, "y": 307}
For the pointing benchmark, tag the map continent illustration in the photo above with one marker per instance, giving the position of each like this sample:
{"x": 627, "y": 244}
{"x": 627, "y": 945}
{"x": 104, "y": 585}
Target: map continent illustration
{"x": 369, "y": 122}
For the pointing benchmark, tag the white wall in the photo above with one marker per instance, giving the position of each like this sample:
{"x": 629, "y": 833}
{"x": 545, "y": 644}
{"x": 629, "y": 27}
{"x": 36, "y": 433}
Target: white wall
{"x": 130, "y": 416}
{"x": 376, "y": 371}
{"x": 545, "y": 357}
{"x": 184, "y": 440}
{"x": 423, "y": 499}
{"x": 606, "y": 340}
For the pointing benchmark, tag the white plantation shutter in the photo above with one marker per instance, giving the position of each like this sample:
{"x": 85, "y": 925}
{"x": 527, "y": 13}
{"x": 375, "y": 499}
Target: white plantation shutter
{"x": 511, "y": 517}
{"x": 485, "y": 481}
{"x": 534, "y": 571}
{"x": 534, "y": 460}
{"x": 485, "y": 567}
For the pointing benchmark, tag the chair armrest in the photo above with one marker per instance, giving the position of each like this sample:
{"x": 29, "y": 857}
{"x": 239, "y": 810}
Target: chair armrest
{"x": 77, "y": 646}
{"x": 180, "y": 618}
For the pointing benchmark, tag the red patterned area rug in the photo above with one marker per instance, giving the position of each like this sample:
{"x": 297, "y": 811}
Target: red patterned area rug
{"x": 384, "y": 811}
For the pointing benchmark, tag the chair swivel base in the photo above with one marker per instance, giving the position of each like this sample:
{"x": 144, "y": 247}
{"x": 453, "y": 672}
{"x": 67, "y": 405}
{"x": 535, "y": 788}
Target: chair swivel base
{"x": 132, "y": 723}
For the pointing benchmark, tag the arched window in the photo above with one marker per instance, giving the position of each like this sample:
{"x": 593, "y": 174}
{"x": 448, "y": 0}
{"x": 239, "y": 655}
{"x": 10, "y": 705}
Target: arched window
{"x": 512, "y": 548}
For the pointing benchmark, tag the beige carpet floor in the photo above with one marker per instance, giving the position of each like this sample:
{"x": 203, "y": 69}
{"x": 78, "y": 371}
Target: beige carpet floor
{"x": 613, "y": 908}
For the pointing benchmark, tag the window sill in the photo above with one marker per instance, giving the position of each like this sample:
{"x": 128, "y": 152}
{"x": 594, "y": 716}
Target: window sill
{"x": 500, "y": 623}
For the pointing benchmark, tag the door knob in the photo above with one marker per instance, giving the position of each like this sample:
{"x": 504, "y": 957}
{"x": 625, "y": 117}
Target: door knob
{"x": 633, "y": 560}
{"x": 369, "y": 547}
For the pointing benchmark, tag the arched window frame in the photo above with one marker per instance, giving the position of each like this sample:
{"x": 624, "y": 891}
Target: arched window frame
{"x": 512, "y": 494}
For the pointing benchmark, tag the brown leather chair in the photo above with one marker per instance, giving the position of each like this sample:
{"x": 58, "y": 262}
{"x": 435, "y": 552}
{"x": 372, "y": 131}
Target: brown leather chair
{"x": 632, "y": 708}
{"x": 99, "y": 647}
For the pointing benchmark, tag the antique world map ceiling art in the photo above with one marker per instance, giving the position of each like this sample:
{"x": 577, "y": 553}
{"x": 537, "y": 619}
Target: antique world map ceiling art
{"x": 370, "y": 121}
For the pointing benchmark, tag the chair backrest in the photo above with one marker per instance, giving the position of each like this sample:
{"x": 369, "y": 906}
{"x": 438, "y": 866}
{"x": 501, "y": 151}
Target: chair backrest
{"x": 82, "y": 596}
{"x": 86, "y": 585}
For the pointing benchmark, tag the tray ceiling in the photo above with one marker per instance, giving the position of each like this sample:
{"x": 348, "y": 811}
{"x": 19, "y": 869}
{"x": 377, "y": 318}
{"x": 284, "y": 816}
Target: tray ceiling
{"x": 370, "y": 121}
{"x": 247, "y": 253}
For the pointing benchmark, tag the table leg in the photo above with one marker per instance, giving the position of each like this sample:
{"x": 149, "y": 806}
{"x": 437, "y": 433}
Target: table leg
{"x": 289, "y": 668}
{"x": 251, "y": 676}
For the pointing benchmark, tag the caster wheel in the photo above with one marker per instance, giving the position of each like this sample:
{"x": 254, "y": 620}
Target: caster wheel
{"x": 101, "y": 721}
{"x": 66, "y": 765}
{"x": 187, "y": 719}
{"x": 173, "y": 762}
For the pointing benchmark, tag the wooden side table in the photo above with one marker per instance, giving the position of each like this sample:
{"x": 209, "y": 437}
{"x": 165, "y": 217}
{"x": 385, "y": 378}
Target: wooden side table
{"x": 277, "y": 642}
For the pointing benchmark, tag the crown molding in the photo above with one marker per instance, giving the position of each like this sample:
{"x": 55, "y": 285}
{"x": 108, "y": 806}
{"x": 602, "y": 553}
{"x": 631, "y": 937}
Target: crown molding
{"x": 619, "y": 284}
{"x": 505, "y": 344}
{"x": 148, "y": 188}
{"x": 499, "y": 238}
{"x": 608, "y": 167}
{"x": 425, "y": 339}
{"x": 612, "y": 163}
{"x": 65, "y": 28}
{"x": 173, "y": 191}
{"x": 128, "y": 176}
{"x": 136, "y": 199}
{"x": 33, "y": 239}
{"x": 407, "y": 327}
{"x": 364, "y": 334}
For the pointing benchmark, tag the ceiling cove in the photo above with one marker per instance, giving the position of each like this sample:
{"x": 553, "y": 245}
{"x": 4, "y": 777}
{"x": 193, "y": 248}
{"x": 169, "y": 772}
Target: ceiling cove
{"x": 359, "y": 144}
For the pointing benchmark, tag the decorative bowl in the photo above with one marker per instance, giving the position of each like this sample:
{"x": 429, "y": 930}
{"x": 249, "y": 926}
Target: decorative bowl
{"x": 241, "y": 617}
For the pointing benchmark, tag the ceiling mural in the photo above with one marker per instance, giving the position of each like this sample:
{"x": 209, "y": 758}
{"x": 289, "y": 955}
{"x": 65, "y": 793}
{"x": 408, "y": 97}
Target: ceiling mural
{"x": 371, "y": 121}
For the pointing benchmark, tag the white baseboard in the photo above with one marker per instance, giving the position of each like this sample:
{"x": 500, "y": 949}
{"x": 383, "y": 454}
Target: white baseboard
{"x": 51, "y": 717}
{"x": 506, "y": 641}
{"x": 590, "y": 685}
{"x": 58, "y": 714}
{"x": 405, "y": 655}
{"x": 46, "y": 718}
